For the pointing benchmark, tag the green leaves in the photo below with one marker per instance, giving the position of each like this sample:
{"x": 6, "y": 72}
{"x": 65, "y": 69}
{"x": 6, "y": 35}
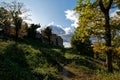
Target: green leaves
{"x": 91, "y": 19}
{"x": 4, "y": 17}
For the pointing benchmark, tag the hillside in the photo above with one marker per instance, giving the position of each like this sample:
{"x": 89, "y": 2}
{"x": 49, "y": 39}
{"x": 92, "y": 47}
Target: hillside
{"x": 24, "y": 61}
{"x": 32, "y": 60}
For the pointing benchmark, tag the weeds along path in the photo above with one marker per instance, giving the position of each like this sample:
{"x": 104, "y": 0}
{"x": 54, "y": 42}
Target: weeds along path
{"x": 59, "y": 62}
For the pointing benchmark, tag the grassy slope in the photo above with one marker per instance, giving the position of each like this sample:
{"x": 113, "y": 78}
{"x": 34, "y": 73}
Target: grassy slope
{"x": 87, "y": 68}
{"x": 31, "y": 60}
{"x": 24, "y": 61}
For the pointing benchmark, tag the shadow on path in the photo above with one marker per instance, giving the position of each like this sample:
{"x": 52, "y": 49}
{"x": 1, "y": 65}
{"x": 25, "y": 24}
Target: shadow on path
{"x": 62, "y": 69}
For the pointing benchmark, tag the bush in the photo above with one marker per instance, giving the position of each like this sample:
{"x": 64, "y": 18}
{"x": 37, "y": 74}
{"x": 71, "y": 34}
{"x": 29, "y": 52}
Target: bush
{"x": 84, "y": 47}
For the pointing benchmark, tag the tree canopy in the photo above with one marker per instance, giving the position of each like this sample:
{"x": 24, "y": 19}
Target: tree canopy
{"x": 5, "y": 18}
{"x": 47, "y": 33}
{"x": 94, "y": 20}
{"x": 15, "y": 9}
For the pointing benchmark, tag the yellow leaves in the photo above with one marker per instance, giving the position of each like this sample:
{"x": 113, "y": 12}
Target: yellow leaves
{"x": 103, "y": 50}
{"x": 91, "y": 19}
{"x": 118, "y": 50}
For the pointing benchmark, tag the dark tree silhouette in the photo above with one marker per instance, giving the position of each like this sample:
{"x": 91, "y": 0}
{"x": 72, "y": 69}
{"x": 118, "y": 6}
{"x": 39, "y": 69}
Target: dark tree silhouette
{"x": 16, "y": 9}
{"x": 32, "y": 30}
{"x": 5, "y": 20}
{"x": 18, "y": 23}
{"x": 47, "y": 33}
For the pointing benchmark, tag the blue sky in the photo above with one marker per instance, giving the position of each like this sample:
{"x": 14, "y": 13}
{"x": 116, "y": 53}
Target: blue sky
{"x": 47, "y": 11}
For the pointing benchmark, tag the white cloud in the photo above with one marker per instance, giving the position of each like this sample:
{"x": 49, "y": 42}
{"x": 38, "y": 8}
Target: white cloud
{"x": 66, "y": 44}
{"x": 60, "y": 26}
{"x": 73, "y": 16}
{"x": 68, "y": 30}
{"x": 113, "y": 14}
{"x": 52, "y": 23}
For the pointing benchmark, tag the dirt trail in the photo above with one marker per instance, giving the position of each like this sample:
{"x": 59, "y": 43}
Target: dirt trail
{"x": 66, "y": 73}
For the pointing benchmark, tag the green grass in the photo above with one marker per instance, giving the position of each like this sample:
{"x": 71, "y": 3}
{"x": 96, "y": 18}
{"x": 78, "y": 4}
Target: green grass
{"x": 32, "y": 60}
{"x": 88, "y": 68}
{"x": 26, "y": 62}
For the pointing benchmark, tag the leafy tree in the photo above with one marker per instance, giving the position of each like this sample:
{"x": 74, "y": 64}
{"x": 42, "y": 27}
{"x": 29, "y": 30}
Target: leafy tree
{"x": 84, "y": 47}
{"x": 94, "y": 18}
{"x": 5, "y": 20}
{"x": 16, "y": 9}
{"x": 32, "y": 30}
{"x": 23, "y": 31}
{"x": 18, "y": 23}
{"x": 4, "y": 16}
{"x": 115, "y": 26}
{"x": 47, "y": 33}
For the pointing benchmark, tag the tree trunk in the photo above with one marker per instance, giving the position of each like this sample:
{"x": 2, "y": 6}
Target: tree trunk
{"x": 18, "y": 23}
{"x": 105, "y": 9}
{"x": 16, "y": 32}
{"x": 49, "y": 39}
{"x": 108, "y": 41}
